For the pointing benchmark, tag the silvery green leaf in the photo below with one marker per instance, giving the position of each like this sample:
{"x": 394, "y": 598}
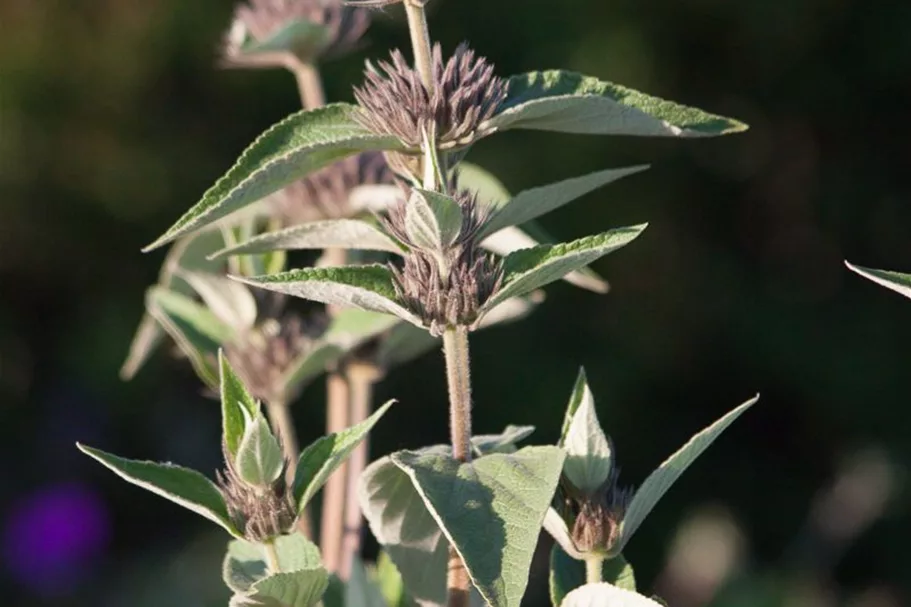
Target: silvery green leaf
{"x": 504, "y": 442}
{"x": 572, "y": 103}
{"x": 659, "y": 481}
{"x": 301, "y": 588}
{"x": 364, "y": 287}
{"x": 486, "y": 185}
{"x": 405, "y": 529}
{"x": 606, "y": 595}
{"x": 229, "y": 300}
{"x": 188, "y": 253}
{"x": 533, "y": 203}
{"x": 556, "y": 527}
{"x": 567, "y": 574}
{"x": 196, "y": 330}
{"x": 900, "y": 283}
{"x": 512, "y": 310}
{"x": 362, "y": 591}
{"x": 300, "y": 37}
{"x": 245, "y": 562}
{"x": 490, "y": 510}
{"x": 589, "y": 455}
{"x": 182, "y": 486}
{"x": 530, "y": 269}
{"x": 580, "y": 388}
{"x": 259, "y": 460}
{"x": 238, "y": 408}
{"x": 328, "y": 234}
{"x": 296, "y": 146}
{"x": 435, "y": 218}
{"x": 320, "y": 459}
{"x": 374, "y": 198}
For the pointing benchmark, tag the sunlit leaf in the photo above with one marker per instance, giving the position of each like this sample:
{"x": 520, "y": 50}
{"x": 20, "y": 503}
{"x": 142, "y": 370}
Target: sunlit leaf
{"x": 237, "y": 406}
{"x": 900, "y": 283}
{"x": 606, "y": 595}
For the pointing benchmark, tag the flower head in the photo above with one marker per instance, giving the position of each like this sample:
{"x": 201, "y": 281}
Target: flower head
{"x": 595, "y": 517}
{"x": 466, "y": 92}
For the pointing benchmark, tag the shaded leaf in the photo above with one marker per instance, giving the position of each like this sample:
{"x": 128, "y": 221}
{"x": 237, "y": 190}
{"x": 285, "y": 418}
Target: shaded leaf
{"x": 557, "y": 528}
{"x": 390, "y": 582}
{"x": 588, "y": 453}
{"x": 320, "y": 459}
{"x": 288, "y": 151}
{"x": 230, "y": 301}
{"x": 606, "y": 595}
{"x": 567, "y": 574}
{"x": 504, "y": 442}
{"x": 362, "y": 591}
{"x": 364, "y": 287}
{"x": 301, "y": 37}
{"x": 900, "y": 283}
{"x": 301, "y": 588}
{"x": 238, "y": 408}
{"x": 580, "y": 388}
{"x": 573, "y": 103}
{"x": 659, "y": 481}
{"x": 530, "y": 269}
{"x": 182, "y": 486}
{"x": 490, "y": 510}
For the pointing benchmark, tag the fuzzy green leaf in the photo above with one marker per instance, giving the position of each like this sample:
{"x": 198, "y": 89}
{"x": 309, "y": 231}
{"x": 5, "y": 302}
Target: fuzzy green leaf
{"x": 363, "y": 287}
{"x": 580, "y": 388}
{"x": 245, "y": 562}
{"x": 238, "y": 408}
{"x": 328, "y": 234}
{"x": 530, "y": 269}
{"x": 567, "y": 574}
{"x": 900, "y": 283}
{"x": 182, "y": 486}
{"x": 433, "y": 221}
{"x": 659, "y": 481}
{"x": 504, "y": 442}
{"x": 301, "y": 588}
{"x": 588, "y": 453}
{"x": 296, "y": 146}
{"x": 573, "y": 103}
{"x": 228, "y": 300}
{"x": 536, "y": 202}
{"x": 320, "y": 459}
{"x": 606, "y": 595}
{"x": 490, "y": 510}
{"x": 300, "y": 37}
{"x": 259, "y": 459}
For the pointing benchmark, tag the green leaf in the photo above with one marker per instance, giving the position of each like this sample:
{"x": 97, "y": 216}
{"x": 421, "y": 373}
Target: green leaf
{"x": 259, "y": 459}
{"x": 238, "y": 408}
{"x": 490, "y": 510}
{"x": 575, "y": 400}
{"x": 197, "y": 332}
{"x": 572, "y": 103}
{"x": 567, "y": 574}
{"x": 363, "y": 287}
{"x": 405, "y": 528}
{"x": 390, "y": 582}
{"x": 187, "y": 253}
{"x": 530, "y": 269}
{"x": 296, "y": 146}
{"x": 328, "y": 234}
{"x": 245, "y": 562}
{"x": 300, "y": 37}
{"x": 536, "y": 202}
{"x": 486, "y": 185}
{"x": 320, "y": 459}
{"x": 227, "y": 299}
{"x": 659, "y": 481}
{"x": 558, "y": 529}
{"x": 589, "y": 455}
{"x": 361, "y": 591}
{"x": 900, "y": 283}
{"x": 504, "y": 442}
{"x": 606, "y": 595}
{"x": 182, "y": 486}
{"x": 301, "y": 588}
{"x": 433, "y": 221}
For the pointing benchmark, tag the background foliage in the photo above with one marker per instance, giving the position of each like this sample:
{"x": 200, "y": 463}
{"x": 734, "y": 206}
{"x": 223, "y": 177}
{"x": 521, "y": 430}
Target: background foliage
{"x": 113, "y": 121}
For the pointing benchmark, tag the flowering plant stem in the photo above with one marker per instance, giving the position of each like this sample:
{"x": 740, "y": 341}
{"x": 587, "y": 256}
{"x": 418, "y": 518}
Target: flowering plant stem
{"x": 272, "y": 557}
{"x": 308, "y": 83}
{"x": 593, "y": 568}
{"x": 279, "y": 414}
{"x": 420, "y": 41}
{"x": 455, "y": 348}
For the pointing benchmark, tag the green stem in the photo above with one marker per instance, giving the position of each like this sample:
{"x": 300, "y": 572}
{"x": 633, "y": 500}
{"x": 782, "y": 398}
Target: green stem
{"x": 455, "y": 347}
{"x": 420, "y": 41}
{"x": 272, "y": 557}
{"x": 593, "y": 567}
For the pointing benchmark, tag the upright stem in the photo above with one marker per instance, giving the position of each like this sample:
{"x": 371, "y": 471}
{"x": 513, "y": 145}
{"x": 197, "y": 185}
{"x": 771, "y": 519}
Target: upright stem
{"x": 279, "y": 414}
{"x": 593, "y": 566}
{"x": 272, "y": 557}
{"x": 455, "y": 347}
{"x": 332, "y": 525}
{"x": 308, "y": 83}
{"x": 361, "y": 379}
{"x": 420, "y": 41}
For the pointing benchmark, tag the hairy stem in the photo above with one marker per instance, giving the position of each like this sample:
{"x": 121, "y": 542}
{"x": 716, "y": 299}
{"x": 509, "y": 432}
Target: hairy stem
{"x": 272, "y": 557}
{"x": 361, "y": 379}
{"x": 420, "y": 41}
{"x": 332, "y": 525}
{"x": 309, "y": 83}
{"x": 455, "y": 347}
{"x": 279, "y": 414}
{"x": 593, "y": 565}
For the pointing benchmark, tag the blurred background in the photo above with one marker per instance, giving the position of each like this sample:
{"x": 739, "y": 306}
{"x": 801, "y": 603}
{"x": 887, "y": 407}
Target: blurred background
{"x": 113, "y": 120}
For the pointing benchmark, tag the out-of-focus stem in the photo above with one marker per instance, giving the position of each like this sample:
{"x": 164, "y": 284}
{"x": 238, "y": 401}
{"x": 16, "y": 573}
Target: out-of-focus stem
{"x": 332, "y": 525}
{"x": 272, "y": 557}
{"x": 361, "y": 379}
{"x": 420, "y": 40}
{"x": 593, "y": 567}
{"x": 309, "y": 83}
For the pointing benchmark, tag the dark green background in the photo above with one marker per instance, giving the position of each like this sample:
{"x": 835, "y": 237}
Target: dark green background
{"x": 113, "y": 121}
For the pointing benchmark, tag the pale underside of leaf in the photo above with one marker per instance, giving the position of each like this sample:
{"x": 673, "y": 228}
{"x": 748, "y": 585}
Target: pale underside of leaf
{"x": 182, "y": 486}
{"x": 573, "y": 103}
{"x": 530, "y": 269}
{"x": 331, "y": 233}
{"x": 588, "y": 452}
{"x": 363, "y": 287}
{"x": 567, "y": 574}
{"x": 575, "y": 399}
{"x": 658, "y": 482}
{"x": 260, "y": 461}
{"x": 896, "y": 281}
{"x": 229, "y": 300}
{"x": 302, "y": 143}
{"x": 490, "y": 511}
{"x": 556, "y": 527}
{"x": 606, "y": 595}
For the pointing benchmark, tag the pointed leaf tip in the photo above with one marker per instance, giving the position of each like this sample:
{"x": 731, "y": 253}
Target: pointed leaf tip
{"x": 895, "y": 281}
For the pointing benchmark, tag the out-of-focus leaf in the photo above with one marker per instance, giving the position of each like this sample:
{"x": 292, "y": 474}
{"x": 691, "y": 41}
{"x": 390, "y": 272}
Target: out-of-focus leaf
{"x": 606, "y": 595}
{"x": 229, "y": 300}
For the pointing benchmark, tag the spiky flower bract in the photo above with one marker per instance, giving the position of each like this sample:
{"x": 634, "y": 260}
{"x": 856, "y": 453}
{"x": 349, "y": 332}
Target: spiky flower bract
{"x": 595, "y": 518}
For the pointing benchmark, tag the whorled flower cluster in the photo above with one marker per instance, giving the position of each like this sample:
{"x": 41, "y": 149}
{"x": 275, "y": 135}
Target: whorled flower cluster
{"x": 326, "y": 194}
{"x": 596, "y": 518}
{"x": 465, "y": 94}
{"x": 450, "y": 297}
{"x": 261, "y": 19}
{"x": 259, "y": 514}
